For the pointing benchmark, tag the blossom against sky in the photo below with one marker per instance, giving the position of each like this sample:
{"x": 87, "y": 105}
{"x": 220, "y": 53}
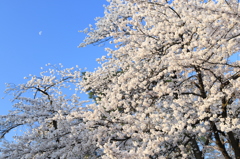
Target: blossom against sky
{"x": 34, "y": 33}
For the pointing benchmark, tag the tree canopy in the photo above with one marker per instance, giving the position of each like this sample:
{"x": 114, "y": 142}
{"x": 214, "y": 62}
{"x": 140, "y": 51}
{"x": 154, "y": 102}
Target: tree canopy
{"x": 169, "y": 88}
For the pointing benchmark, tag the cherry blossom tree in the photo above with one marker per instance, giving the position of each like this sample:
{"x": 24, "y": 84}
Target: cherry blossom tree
{"x": 52, "y": 117}
{"x": 169, "y": 88}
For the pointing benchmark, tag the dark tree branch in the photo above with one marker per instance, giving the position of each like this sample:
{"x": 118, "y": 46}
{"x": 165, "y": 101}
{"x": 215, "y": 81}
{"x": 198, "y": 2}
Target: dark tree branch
{"x": 218, "y": 141}
{"x": 116, "y": 139}
{"x": 235, "y": 144}
{"x": 4, "y": 132}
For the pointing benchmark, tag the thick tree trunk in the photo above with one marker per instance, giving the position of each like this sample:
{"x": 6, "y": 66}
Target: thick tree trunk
{"x": 235, "y": 144}
{"x": 195, "y": 148}
{"x": 218, "y": 141}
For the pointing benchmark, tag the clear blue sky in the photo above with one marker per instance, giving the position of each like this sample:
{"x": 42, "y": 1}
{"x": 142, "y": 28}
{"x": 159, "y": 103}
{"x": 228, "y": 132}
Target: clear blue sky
{"x": 23, "y": 50}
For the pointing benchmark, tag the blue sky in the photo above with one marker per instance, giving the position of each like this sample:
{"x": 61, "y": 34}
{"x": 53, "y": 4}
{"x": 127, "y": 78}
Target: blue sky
{"x": 34, "y": 33}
